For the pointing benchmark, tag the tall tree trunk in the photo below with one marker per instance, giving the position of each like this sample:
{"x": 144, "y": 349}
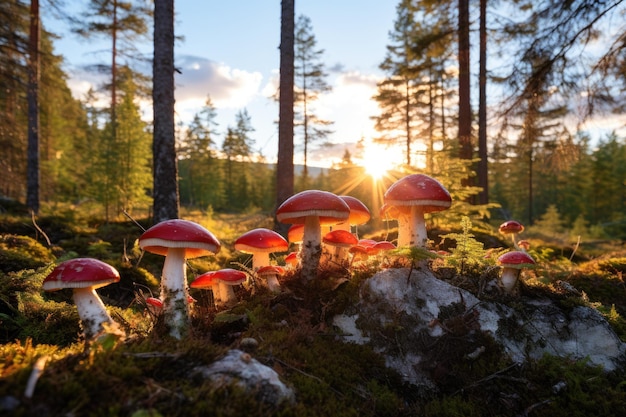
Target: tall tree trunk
{"x": 284, "y": 167}
{"x": 166, "y": 198}
{"x": 33, "y": 174}
{"x": 483, "y": 165}
{"x": 465, "y": 109}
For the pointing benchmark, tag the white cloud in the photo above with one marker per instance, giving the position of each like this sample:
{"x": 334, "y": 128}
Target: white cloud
{"x": 228, "y": 87}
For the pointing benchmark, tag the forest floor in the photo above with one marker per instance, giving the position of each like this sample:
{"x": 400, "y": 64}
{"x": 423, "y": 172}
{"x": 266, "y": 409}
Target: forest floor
{"x": 148, "y": 375}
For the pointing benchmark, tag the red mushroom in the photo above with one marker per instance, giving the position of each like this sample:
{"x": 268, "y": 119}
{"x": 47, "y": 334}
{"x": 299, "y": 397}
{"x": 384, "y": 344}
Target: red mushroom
{"x": 227, "y": 278}
{"x": 260, "y": 243}
{"x": 312, "y": 208}
{"x": 511, "y": 227}
{"x": 339, "y": 242}
{"x": 178, "y": 240}
{"x": 359, "y": 214}
{"x": 208, "y": 281}
{"x": 291, "y": 259}
{"x": 423, "y": 194}
{"x": 512, "y": 264}
{"x": 84, "y": 276}
{"x": 270, "y": 274}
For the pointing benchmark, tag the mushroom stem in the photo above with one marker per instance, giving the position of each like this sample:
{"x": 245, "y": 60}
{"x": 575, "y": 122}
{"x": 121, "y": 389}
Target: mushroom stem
{"x": 260, "y": 259}
{"x": 174, "y": 293}
{"x": 91, "y": 310}
{"x": 227, "y": 294}
{"x": 419, "y": 236}
{"x": 509, "y": 278}
{"x": 404, "y": 231}
{"x": 311, "y": 249}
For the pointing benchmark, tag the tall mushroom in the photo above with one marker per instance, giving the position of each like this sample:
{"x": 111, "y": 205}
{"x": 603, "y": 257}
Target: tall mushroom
{"x": 178, "y": 240}
{"x": 260, "y": 243}
{"x": 512, "y": 263}
{"x": 312, "y": 208}
{"x": 401, "y": 215}
{"x": 84, "y": 276}
{"x": 423, "y": 194}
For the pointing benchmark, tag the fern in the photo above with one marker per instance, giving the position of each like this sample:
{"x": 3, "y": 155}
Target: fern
{"x": 468, "y": 252}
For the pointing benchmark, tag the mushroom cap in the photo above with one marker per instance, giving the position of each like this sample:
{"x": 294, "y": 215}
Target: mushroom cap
{"x": 292, "y": 258}
{"x": 384, "y": 246}
{"x": 295, "y": 234}
{"x": 178, "y": 233}
{"x": 516, "y": 259}
{"x": 261, "y": 240}
{"x": 418, "y": 190}
{"x": 230, "y": 276}
{"x": 80, "y": 273}
{"x": 359, "y": 213}
{"x": 340, "y": 238}
{"x": 206, "y": 280}
{"x": 511, "y": 226}
{"x": 155, "y": 302}
{"x": 368, "y": 243}
{"x": 359, "y": 249}
{"x": 327, "y": 206}
{"x": 270, "y": 270}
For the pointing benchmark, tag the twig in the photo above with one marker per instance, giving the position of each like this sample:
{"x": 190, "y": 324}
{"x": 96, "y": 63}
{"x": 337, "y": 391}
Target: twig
{"x": 488, "y": 377}
{"x": 133, "y": 220}
{"x": 575, "y": 248}
{"x": 38, "y": 368}
{"x": 32, "y": 216}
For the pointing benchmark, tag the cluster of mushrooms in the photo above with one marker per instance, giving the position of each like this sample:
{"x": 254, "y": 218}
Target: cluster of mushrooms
{"x": 321, "y": 227}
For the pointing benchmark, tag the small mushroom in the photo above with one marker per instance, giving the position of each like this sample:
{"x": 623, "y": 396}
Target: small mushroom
{"x": 512, "y": 263}
{"x": 84, "y": 276}
{"x": 227, "y": 278}
{"x": 512, "y": 228}
{"x": 423, "y": 194}
{"x": 270, "y": 274}
{"x": 338, "y": 243}
{"x": 208, "y": 281}
{"x": 260, "y": 243}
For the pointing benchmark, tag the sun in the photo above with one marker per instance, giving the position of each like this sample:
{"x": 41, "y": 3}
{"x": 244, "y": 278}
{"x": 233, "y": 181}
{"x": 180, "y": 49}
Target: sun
{"x": 378, "y": 160}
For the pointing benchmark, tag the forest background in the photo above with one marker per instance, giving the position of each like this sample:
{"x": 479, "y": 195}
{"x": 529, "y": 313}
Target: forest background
{"x": 560, "y": 63}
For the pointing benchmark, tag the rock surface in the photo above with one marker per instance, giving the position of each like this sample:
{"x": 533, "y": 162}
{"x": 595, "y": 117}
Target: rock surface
{"x": 416, "y": 320}
{"x": 238, "y": 367}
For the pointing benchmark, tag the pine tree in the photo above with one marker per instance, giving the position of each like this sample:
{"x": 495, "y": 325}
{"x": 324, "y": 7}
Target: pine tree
{"x": 310, "y": 83}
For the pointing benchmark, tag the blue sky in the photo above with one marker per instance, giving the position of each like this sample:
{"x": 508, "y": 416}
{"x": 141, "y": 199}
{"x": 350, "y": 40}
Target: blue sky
{"x": 230, "y": 51}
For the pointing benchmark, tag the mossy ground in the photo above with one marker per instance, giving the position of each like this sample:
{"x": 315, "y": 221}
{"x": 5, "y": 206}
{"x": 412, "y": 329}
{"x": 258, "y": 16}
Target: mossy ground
{"x": 146, "y": 375}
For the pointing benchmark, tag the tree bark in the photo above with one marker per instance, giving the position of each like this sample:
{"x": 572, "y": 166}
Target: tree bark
{"x": 284, "y": 168}
{"x": 483, "y": 164}
{"x": 465, "y": 109}
{"x": 165, "y": 193}
{"x": 33, "y": 172}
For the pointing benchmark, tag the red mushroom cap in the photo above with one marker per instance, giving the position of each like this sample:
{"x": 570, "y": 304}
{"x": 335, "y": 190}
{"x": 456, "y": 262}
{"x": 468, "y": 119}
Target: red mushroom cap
{"x": 418, "y": 190}
{"x": 511, "y": 226}
{"x": 368, "y": 243}
{"x": 327, "y": 206}
{"x": 292, "y": 258}
{"x": 230, "y": 276}
{"x": 179, "y": 233}
{"x": 261, "y": 240}
{"x": 384, "y": 246}
{"x": 206, "y": 280}
{"x": 340, "y": 238}
{"x": 155, "y": 302}
{"x": 270, "y": 270}
{"x": 516, "y": 259}
{"x": 359, "y": 249}
{"x": 359, "y": 213}
{"x": 80, "y": 273}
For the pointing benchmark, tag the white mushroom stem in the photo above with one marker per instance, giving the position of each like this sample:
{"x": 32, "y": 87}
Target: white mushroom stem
{"x": 217, "y": 295}
{"x": 174, "y": 293}
{"x": 91, "y": 310}
{"x": 227, "y": 294}
{"x": 509, "y": 278}
{"x": 272, "y": 282}
{"x": 404, "y": 230}
{"x": 260, "y": 259}
{"x": 311, "y": 249}
{"x": 417, "y": 227}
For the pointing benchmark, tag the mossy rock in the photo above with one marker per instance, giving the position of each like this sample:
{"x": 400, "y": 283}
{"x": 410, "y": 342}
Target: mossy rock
{"x": 22, "y": 252}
